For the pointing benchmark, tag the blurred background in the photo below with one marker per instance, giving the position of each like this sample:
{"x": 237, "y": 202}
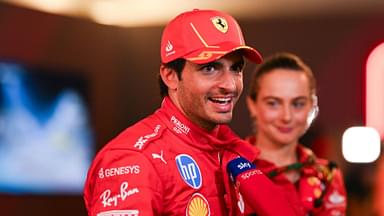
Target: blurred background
{"x": 75, "y": 73}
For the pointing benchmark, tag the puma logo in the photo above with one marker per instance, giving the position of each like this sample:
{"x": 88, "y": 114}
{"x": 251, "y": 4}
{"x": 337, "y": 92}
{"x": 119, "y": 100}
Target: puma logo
{"x": 159, "y": 156}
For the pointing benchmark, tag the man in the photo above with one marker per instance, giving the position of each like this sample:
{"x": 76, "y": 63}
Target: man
{"x": 174, "y": 161}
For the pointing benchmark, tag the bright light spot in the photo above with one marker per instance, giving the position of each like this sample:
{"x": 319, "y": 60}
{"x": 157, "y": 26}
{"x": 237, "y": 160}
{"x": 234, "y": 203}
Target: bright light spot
{"x": 104, "y": 12}
{"x": 375, "y": 89}
{"x": 56, "y": 6}
{"x": 361, "y": 144}
{"x": 136, "y": 13}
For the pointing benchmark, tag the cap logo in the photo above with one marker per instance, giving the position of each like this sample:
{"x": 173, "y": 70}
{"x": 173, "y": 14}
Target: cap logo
{"x": 220, "y": 24}
{"x": 169, "y": 49}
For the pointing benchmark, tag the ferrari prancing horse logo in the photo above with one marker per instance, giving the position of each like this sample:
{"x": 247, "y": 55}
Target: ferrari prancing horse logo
{"x": 220, "y": 24}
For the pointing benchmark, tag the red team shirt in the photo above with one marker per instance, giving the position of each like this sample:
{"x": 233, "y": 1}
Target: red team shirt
{"x": 165, "y": 165}
{"x": 319, "y": 179}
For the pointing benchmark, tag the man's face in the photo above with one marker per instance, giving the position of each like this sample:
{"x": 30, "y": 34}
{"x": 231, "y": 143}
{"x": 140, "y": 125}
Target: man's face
{"x": 207, "y": 93}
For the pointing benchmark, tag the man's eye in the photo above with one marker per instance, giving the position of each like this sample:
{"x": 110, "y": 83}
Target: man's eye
{"x": 208, "y": 68}
{"x": 238, "y": 67}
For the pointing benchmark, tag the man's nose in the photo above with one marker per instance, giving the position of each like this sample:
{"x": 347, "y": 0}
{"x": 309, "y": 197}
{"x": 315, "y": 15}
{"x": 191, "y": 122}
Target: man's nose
{"x": 228, "y": 80}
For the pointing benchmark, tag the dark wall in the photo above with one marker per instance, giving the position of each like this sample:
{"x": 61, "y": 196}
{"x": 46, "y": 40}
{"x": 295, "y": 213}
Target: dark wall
{"x": 335, "y": 48}
{"x": 121, "y": 65}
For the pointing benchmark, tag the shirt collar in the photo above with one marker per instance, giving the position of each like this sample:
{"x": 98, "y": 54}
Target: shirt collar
{"x": 220, "y": 137}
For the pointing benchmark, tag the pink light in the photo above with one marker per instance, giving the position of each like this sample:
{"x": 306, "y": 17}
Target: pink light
{"x": 374, "y": 113}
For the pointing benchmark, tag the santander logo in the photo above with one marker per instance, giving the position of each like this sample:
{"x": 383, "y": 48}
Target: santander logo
{"x": 169, "y": 49}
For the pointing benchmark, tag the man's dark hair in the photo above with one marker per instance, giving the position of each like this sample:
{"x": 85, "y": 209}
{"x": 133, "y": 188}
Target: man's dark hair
{"x": 176, "y": 65}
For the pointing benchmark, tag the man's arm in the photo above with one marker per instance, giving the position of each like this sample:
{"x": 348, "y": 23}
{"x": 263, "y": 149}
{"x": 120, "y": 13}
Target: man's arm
{"x": 122, "y": 182}
{"x": 257, "y": 190}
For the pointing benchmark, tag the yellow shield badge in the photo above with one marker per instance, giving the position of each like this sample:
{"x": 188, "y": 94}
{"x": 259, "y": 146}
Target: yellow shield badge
{"x": 220, "y": 24}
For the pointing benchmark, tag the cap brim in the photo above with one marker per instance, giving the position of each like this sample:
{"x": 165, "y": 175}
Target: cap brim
{"x": 212, "y": 53}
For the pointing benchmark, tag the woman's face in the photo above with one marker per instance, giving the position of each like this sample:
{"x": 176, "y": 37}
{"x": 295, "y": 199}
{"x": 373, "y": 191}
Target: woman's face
{"x": 281, "y": 107}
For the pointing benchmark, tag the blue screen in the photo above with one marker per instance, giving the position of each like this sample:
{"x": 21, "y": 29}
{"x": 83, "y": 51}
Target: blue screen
{"x": 46, "y": 141}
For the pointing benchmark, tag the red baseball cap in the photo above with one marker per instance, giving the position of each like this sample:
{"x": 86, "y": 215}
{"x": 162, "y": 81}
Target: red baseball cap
{"x": 202, "y": 36}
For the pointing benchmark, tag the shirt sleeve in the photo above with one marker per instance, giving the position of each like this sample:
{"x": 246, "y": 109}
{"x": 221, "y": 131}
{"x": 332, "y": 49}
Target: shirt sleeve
{"x": 122, "y": 182}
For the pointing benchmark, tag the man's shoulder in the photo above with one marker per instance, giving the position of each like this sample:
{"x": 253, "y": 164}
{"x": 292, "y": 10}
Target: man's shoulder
{"x": 124, "y": 172}
{"x": 138, "y": 136}
{"x": 130, "y": 151}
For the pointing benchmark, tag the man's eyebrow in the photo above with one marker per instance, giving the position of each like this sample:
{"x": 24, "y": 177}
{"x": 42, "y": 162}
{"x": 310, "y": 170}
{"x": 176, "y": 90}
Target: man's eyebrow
{"x": 218, "y": 63}
{"x": 213, "y": 63}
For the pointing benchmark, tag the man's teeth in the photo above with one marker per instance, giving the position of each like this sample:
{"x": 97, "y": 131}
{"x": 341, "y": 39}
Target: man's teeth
{"x": 221, "y": 100}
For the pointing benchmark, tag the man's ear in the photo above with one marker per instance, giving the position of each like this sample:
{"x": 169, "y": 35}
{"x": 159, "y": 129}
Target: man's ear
{"x": 169, "y": 77}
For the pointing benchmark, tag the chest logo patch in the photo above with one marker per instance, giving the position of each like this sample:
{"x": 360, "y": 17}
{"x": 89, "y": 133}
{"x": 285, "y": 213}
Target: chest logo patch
{"x": 189, "y": 170}
{"x": 197, "y": 206}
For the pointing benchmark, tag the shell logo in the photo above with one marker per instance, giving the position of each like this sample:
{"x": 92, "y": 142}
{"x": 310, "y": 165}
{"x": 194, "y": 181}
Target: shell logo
{"x": 198, "y": 206}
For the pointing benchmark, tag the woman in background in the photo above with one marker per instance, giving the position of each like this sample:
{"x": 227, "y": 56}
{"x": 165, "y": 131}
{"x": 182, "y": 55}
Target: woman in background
{"x": 282, "y": 103}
